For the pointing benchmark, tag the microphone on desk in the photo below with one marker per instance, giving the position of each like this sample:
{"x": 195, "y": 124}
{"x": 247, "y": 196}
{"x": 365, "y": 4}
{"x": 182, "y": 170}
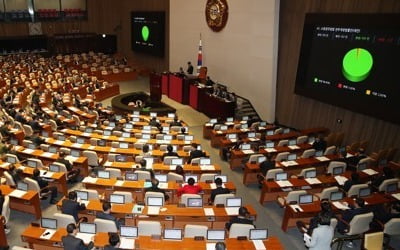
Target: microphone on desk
{"x": 47, "y": 233}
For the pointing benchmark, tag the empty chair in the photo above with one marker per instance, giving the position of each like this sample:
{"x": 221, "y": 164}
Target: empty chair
{"x": 138, "y": 145}
{"x": 66, "y": 151}
{"x": 39, "y": 163}
{"x": 305, "y": 170}
{"x": 111, "y": 157}
{"x": 15, "y": 158}
{"x": 148, "y": 228}
{"x": 103, "y": 225}
{"x": 114, "y": 172}
{"x": 93, "y": 194}
{"x": 143, "y": 175}
{"x": 291, "y": 198}
{"x": 174, "y": 177}
{"x": 185, "y": 197}
{"x": 44, "y": 147}
{"x": 334, "y": 164}
{"x": 33, "y": 185}
{"x": 308, "y": 153}
{"x": 283, "y": 143}
{"x": 221, "y": 198}
{"x": 207, "y": 177}
{"x": 93, "y": 159}
{"x": 168, "y": 159}
{"x": 278, "y": 131}
{"x": 330, "y": 150}
{"x": 64, "y": 219}
{"x": 367, "y": 161}
{"x": 53, "y": 125}
{"x": 77, "y": 120}
{"x": 26, "y": 143}
{"x": 326, "y": 193}
{"x": 272, "y": 173}
{"x": 163, "y": 147}
{"x": 153, "y": 194}
{"x": 238, "y": 230}
{"x": 354, "y": 190}
{"x": 93, "y": 141}
{"x": 282, "y": 156}
{"x": 62, "y": 166}
{"x": 301, "y": 139}
{"x": 128, "y": 195}
{"x": 192, "y": 231}
{"x": 117, "y": 133}
{"x": 254, "y": 157}
{"x": 385, "y": 183}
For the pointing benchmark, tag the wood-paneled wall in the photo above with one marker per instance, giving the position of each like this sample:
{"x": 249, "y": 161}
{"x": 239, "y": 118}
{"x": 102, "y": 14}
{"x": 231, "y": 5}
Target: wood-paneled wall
{"x": 301, "y": 112}
{"x": 110, "y": 17}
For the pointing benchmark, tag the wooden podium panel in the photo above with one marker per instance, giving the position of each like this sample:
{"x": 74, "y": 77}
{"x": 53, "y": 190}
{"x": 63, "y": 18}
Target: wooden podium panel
{"x": 193, "y": 96}
{"x": 175, "y": 88}
{"x": 164, "y": 84}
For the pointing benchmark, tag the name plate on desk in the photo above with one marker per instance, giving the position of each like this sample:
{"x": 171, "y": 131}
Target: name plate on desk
{"x": 322, "y": 158}
{"x": 209, "y": 211}
{"x": 89, "y": 179}
{"x": 28, "y": 151}
{"x": 270, "y": 150}
{"x": 312, "y": 181}
{"x": 369, "y": 171}
{"x": 284, "y": 183}
{"x": 293, "y": 147}
{"x": 289, "y": 163}
{"x": 207, "y": 167}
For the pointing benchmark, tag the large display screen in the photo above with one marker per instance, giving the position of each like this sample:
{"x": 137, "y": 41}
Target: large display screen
{"x": 352, "y": 61}
{"x": 148, "y": 32}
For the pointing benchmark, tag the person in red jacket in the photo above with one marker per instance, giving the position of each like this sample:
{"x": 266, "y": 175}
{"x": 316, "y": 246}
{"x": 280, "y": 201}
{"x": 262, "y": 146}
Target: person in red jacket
{"x": 190, "y": 188}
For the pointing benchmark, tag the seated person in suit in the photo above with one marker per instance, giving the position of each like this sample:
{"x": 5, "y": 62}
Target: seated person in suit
{"x": 353, "y": 161}
{"x": 72, "y": 174}
{"x": 44, "y": 185}
{"x": 209, "y": 82}
{"x": 218, "y": 190}
{"x": 146, "y": 151}
{"x": 106, "y": 214}
{"x": 179, "y": 170}
{"x": 113, "y": 241}
{"x": 154, "y": 188}
{"x": 70, "y": 242}
{"x": 355, "y": 179}
{"x": 15, "y": 173}
{"x": 326, "y": 211}
{"x": 387, "y": 174}
{"x": 175, "y": 122}
{"x": 142, "y": 166}
{"x": 71, "y": 206}
{"x": 265, "y": 166}
{"x": 322, "y": 235}
{"x": 169, "y": 152}
{"x": 348, "y": 215}
{"x": 195, "y": 153}
{"x": 319, "y": 143}
{"x": 241, "y": 218}
{"x": 153, "y": 122}
{"x": 190, "y": 188}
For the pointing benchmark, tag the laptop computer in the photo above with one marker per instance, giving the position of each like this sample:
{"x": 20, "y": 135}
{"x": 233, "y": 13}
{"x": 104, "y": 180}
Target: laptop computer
{"x": 82, "y": 195}
{"x": 136, "y": 113}
{"x": 146, "y": 136}
{"x": 107, "y": 132}
{"x": 165, "y": 129}
{"x": 171, "y": 115}
{"x": 245, "y": 118}
{"x": 338, "y": 170}
{"x": 61, "y": 138}
{"x": 53, "y": 150}
{"x": 194, "y": 202}
{"x": 177, "y": 161}
{"x": 292, "y": 142}
{"x": 31, "y": 163}
{"x": 153, "y": 114}
{"x": 292, "y": 157}
{"x": 48, "y": 223}
{"x": 188, "y": 138}
{"x": 129, "y": 231}
{"x": 45, "y": 134}
{"x": 270, "y": 145}
{"x": 310, "y": 174}
{"x": 261, "y": 159}
{"x": 213, "y": 121}
{"x": 32, "y": 146}
{"x": 173, "y": 234}
{"x": 270, "y": 132}
{"x": 117, "y": 199}
{"x": 103, "y": 174}
{"x": 12, "y": 159}
{"x": 147, "y": 127}
{"x": 167, "y": 137}
{"x": 229, "y": 119}
{"x": 135, "y": 119}
{"x": 251, "y": 135}
{"x": 131, "y": 176}
{"x": 286, "y": 130}
{"x": 89, "y": 130}
{"x": 155, "y": 201}
{"x": 258, "y": 234}
{"x": 162, "y": 178}
{"x": 362, "y": 166}
{"x": 336, "y": 196}
{"x": 128, "y": 125}
{"x": 223, "y": 127}
{"x": 205, "y": 161}
{"x": 392, "y": 187}
{"x": 120, "y": 158}
{"x": 305, "y": 199}
{"x": 364, "y": 192}
{"x": 86, "y": 231}
{"x": 244, "y": 126}
{"x": 126, "y": 134}
{"x": 101, "y": 143}
{"x": 319, "y": 153}
{"x": 281, "y": 176}
{"x": 231, "y": 136}
{"x": 75, "y": 153}
{"x": 124, "y": 145}
{"x": 80, "y": 140}
{"x": 215, "y": 235}
{"x": 54, "y": 168}
{"x": 23, "y": 186}
{"x": 111, "y": 124}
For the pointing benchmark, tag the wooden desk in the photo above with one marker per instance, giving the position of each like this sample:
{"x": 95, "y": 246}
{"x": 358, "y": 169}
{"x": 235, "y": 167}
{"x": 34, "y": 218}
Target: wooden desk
{"x": 162, "y": 168}
{"x": 309, "y": 210}
{"x": 29, "y": 203}
{"x": 137, "y": 188}
{"x": 31, "y": 235}
{"x": 3, "y": 238}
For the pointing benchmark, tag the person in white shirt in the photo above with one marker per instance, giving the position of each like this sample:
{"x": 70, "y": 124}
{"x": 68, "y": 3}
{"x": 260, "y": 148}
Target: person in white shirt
{"x": 321, "y": 237}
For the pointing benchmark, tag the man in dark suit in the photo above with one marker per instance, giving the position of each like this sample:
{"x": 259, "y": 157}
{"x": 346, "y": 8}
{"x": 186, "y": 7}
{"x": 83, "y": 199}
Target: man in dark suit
{"x": 73, "y": 174}
{"x": 113, "y": 241}
{"x": 154, "y": 188}
{"x": 355, "y": 179}
{"x": 175, "y": 122}
{"x": 240, "y": 219}
{"x": 106, "y": 214}
{"x": 70, "y": 242}
{"x": 169, "y": 152}
{"x": 218, "y": 190}
{"x": 387, "y": 174}
{"x": 348, "y": 215}
{"x": 43, "y": 184}
{"x": 71, "y": 206}
{"x": 195, "y": 153}
{"x": 319, "y": 143}
{"x": 189, "y": 70}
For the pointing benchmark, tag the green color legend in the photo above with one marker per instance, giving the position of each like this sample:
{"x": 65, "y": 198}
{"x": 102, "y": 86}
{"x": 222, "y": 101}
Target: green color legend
{"x": 357, "y": 64}
{"x": 145, "y": 33}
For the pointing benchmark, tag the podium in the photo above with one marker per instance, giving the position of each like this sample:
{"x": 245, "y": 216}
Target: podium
{"x": 155, "y": 87}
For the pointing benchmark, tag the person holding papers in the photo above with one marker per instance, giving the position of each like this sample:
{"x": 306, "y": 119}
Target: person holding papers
{"x": 113, "y": 241}
{"x": 322, "y": 235}
{"x": 218, "y": 190}
{"x": 106, "y": 214}
{"x": 70, "y": 242}
{"x": 190, "y": 188}
{"x": 44, "y": 185}
{"x": 241, "y": 218}
{"x": 71, "y": 206}
{"x": 154, "y": 188}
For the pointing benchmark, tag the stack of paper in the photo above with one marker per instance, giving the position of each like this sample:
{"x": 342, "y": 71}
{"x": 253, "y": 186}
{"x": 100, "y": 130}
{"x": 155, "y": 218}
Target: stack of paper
{"x": 259, "y": 245}
{"x": 313, "y": 181}
{"x": 17, "y": 193}
{"x": 127, "y": 243}
{"x": 47, "y": 234}
{"x": 89, "y": 179}
{"x": 369, "y": 171}
{"x": 270, "y": 150}
{"x": 232, "y": 210}
{"x": 28, "y": 151}
{"x": 87, "y": 238}
{"x": 163, "y": 185}
{"x": 108, "y": 164}
{"x": 213, "y": 186}
{"x": 47, "y": 154}
{"x": 153, "y": 210}
{"x": 284, "y": 183}
{"x": 289, "y": 163}
{"x": 4, "y": 165}
{"x": 293, "y": 147}
{"x": 340, "y": 205}
{"x": 119, "y": 183}
{"x": 322, "y": 158}
{"x": 248, "y": 151}
{"x": 397, "y": 196}
{"x": 207, "y": 167}
{"x": 71, "y": 158}
{"x": 296, "y": 208}
{"x": 209, "y": 211}
{"x": 340, "y": 179}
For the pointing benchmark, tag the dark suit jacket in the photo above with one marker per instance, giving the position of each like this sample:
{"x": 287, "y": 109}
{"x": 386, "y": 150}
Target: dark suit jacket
{"x": 42, "y": 183}
{"x": 105, "y": 216}
{"x": 348, "y": 215}
{"x": 72, "y": 207}
{"x": 1, "y": 203}
{"x": 109, "y": 247}
{"x": 157, "y": 189}
{"x": 266, "y": 165}
{"x": 70, "y": 242}
{"x": 66, "y": 163}
{"x": 196, "y": 154}
{"x": 218, "y": 190}
{"x": 169, "y": 154}
{"x": 239, "y": 221}
{"x": 349, "y": 183}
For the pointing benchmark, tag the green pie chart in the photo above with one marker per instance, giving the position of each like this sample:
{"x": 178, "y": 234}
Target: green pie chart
{"x": 145, "y": 33}
{"x": 357, "y": 64}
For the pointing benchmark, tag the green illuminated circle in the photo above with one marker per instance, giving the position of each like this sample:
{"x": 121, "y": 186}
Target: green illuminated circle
{"x": 357, "y": 64}
{"x": 145, "y": 33}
